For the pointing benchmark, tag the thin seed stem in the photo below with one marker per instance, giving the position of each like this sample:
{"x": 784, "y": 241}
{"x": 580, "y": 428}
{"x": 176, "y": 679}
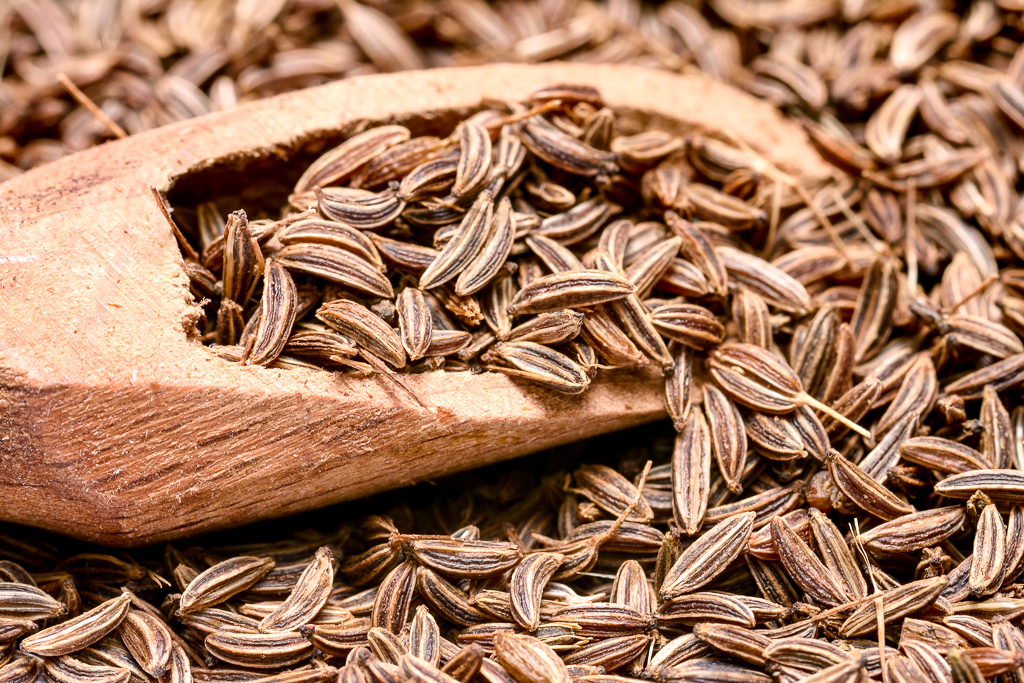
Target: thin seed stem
{"x": 832, "y": 412}
{"x": 84, "y": 100}
{"x": 190, "y": 253}
{"x": 973, "y": 294}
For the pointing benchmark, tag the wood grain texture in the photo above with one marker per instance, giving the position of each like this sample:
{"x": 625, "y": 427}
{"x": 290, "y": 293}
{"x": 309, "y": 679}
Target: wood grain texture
{"x": 116, "y": 428}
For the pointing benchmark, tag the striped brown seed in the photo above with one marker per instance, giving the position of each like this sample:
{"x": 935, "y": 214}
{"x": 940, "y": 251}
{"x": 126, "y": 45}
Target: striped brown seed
{"x": 223, "y": 580}
{"x": 414, "y": 322}
{"x": 679, "y": 387}
{"x": 549, "y": 328}
{"x": 761, "y": 380}
{"x": 997, "y": 431}
{"x": 770, "y": 283}
{"x": 612, "y": 492}
{"x": 449, "y": 600}
{"x": 728, "y": 438}
{"x": 338, "y": 639}
{"x": 331, "y": 233}
{"x": 610, "y": 653}
{"x": 365, "y": 328}
{"x": 805, "y": 568}
{"x": 897, "y": 602}
{"x": 711, "y": 670}
{"x": 888, "y": 126}
{"x": 475, "y": 156}
{"x": 334, "y": 264}
{"x": 394, "y": 595}
{"x": 1000, "y": 376}
{"x": 706, "y": 607}
{"x": 463, "y": 558}
{"x": 579, "y": 222}
{"x": 691, "y": 473}
{"x": 767, "y": 504}
{"x": 646, "y": 270}
{"x": 743, "y": 644}
{"x": 708, "y": 556}
{"x": 836, "y": 554}
{"x": 464, "y": 665}
{"x": 278, "y": 311}
{"x": 943, "y": 455}
{"x": 806, "y": 654}
{"x": 307, "y": 598}
{"x": 259, "y": 650}
{"x": 688, "y": 324}
{"x": 557, "y": 257}
{"x": 914, "y": 532}
{"x": 468, "y": 241}
{"x": 489, "y": 261}
{"x": 361, "y": 209}
{"x": 67, "y": 669}
{"x": 529, "y": 660}
{"x": 149, "y": 640}
{"x": 876, "y": 303}
{"x": 80, "y": 632}
{"x": 342, "y": 161}
{"x": 542, "y": 365}
{"x": 632, "y": 588}
{"x": 999, "y": 485}
{"x": 699, "y": 251}
{"x": 562, "y": 150}
{"x": 243, "y": 260}
{"x": 864, "y": 491}
{"x": 989, "y": 565}
{"x": 634, "y": 318}
{"x": 750, "y": 314}
{"x": 854, "y": 405}
{"x": 604, "y": 620}
{"x": 570, "y": 289}
{"x": 527, "y": 585}
{"x": 386, "y": 646}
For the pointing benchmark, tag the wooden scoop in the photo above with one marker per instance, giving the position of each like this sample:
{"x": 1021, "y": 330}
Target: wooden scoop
{"x": 117, "y": 428}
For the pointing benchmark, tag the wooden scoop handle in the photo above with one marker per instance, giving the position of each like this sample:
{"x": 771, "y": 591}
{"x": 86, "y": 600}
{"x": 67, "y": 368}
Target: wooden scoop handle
{"x": 116, "y": 428}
